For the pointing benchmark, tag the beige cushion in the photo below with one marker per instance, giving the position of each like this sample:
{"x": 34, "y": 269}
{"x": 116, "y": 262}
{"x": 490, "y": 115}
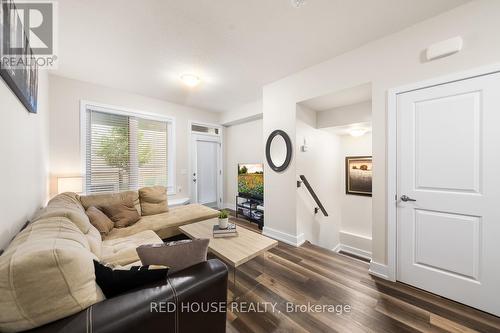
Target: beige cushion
{"x": 122, "y": 251}
{"x": 101, "y": 200}
{"x": 95, "y": 241}
{"x": 72, "y": 214}
{"x": 99, "y": 220}
{"x": 174, "y": 218}
{"x": 46, "y": 274}
{"x": 176, "y": 255}
{"x": 132, "y": 264}
{"x": 153, "y": 200}
{"x": 66, "y": 199}
{"x": 66, "y": 205}
{"x": 123, "y": 214}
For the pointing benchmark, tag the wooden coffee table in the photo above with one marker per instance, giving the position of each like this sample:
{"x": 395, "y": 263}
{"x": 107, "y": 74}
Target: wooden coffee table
{"x": 235, "y": 251}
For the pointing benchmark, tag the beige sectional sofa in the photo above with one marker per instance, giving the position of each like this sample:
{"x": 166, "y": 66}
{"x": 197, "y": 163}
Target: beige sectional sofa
{"x": 47, "y": 272}
{"x": 164, "y": 225}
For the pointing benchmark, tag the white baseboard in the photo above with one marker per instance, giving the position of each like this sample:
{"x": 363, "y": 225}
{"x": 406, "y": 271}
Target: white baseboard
{"x": 379, "y": 270}
{"x": 284, "y": 237}
{"x": 352, "y": 250}
{"x": 337, "y": 248}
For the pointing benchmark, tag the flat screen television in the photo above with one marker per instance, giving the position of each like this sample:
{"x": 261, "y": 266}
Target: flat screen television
{"x": 251, "y": 181}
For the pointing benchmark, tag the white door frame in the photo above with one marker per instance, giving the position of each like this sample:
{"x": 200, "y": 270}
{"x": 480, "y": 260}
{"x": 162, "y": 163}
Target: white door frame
{"x": 392, "y": 158}
{"x": 212, "y": 137}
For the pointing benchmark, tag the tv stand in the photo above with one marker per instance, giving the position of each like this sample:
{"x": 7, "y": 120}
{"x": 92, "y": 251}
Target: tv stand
{"x": 251, "y": 209}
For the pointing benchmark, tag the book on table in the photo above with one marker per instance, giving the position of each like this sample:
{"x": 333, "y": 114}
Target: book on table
{"x": 231, "y": 227}
{"x": 230, "y": 234}
{"x": 230, "y": 231}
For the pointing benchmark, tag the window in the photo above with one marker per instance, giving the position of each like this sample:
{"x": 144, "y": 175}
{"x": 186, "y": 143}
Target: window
{"x": 204, "y": 129}
{"x": 126, "y": 151}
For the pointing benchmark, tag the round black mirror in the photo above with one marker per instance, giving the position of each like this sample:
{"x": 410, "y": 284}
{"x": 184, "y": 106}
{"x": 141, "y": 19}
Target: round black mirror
{"x": 278, "y": 150}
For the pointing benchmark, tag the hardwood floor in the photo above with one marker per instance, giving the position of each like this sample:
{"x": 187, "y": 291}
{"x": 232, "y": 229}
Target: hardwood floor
{"x": 293, "y": 276}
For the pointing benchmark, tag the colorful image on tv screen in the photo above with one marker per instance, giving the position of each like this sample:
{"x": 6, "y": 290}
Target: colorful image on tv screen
{"x": 251, "y": 180}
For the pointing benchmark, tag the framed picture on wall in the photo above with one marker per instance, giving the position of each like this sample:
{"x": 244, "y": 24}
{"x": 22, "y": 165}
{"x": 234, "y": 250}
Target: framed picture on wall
{"x": 18, "y": 68}
{"x": 358, "y": 175}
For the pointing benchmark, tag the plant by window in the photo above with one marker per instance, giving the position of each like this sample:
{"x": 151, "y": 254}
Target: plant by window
{"x": 114, "y": 149}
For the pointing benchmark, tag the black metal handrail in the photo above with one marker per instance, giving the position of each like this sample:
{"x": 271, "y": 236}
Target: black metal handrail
{"x": 313, "y": 194}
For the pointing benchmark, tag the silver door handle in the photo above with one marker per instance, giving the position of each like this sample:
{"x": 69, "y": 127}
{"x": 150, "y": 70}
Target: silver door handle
{"x": 406, "y": 198}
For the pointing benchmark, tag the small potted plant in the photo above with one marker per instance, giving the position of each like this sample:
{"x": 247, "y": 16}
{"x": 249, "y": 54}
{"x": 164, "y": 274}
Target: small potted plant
{"x": 223, "y": 219}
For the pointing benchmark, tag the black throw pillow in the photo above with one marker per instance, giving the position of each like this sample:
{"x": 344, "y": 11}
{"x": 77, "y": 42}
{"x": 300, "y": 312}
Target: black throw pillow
{"x": 119, "y": 280}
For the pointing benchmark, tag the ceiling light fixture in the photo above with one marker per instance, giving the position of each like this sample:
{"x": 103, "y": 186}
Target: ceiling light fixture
{"x": 190, "y": 80}
{"x": 298, "y": 3}
{"x": 358, "y": 132}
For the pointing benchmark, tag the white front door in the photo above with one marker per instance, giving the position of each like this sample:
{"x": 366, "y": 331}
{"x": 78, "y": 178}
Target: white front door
{"x": 206, "y": 170}
{"x": 449, "y": 163}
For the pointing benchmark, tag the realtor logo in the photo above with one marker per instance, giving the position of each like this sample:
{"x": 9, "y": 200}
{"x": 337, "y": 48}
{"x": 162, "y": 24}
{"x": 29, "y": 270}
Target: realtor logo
{"x": 28, "y": 30}
{"x": 36, "y": 21}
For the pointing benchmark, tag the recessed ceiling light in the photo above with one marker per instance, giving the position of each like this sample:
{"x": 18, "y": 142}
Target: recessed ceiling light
{"x": 358, "y": 132}
{"x": 298, "y": 3}
{"x": 190, "y": 80}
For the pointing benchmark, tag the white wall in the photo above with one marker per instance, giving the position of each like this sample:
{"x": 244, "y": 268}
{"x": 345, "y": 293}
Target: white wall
{"x": 345, "y": 115}
{"x": 356, "y": 210}
{"x": 24, "y": 167}
{"x": 349, "y": 224}
{"x": 320, "y": 166}
{"x": 65, "y": 96}
{"x": 386, "y": 63}
{"x": 243, "y": 144}
{"x": 280, "y": 188}
{"x": 242, "y": 114}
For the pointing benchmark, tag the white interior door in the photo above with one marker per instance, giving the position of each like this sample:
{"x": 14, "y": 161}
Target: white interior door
{"x": 206, "y": 171}
{"x": 449, "y": 163}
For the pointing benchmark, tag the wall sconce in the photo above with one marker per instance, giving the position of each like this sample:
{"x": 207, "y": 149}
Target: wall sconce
{"x": 69, "y": 184}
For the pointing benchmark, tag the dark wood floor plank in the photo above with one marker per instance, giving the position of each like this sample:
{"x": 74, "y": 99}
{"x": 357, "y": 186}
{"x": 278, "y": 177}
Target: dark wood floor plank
{"x": 334, "y": 262}
{"x": 440, "y": 304}
{"x": 264, "y": 294}
{"x": 445, "y": 308}
{"x": 448, "y": 325}
{"x": 309, "y": 274}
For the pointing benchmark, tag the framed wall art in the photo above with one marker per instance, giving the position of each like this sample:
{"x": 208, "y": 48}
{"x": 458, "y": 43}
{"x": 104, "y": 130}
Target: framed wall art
{"x": 18, "y": 68}
{"x": 358, "y": 175}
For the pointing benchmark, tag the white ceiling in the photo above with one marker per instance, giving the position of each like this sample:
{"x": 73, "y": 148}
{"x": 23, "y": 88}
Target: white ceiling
{"x": 354, "y": 95}
{"x": 237, "y": 46}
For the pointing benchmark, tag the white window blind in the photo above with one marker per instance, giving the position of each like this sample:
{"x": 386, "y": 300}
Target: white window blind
{"x": 153, "y": 151}
{"x": 126, "y": 152}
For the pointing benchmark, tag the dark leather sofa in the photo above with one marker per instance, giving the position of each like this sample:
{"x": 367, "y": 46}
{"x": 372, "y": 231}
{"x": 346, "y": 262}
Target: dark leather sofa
{"x": 204, "y": 283}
